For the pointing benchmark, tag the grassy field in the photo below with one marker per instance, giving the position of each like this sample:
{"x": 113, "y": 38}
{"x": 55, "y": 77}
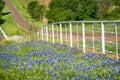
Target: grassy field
{"x": 18, "y": 4}
{"x": 109, "y": 28}
{"x": 10, "y": 27}
{"x": 46, "y": 61}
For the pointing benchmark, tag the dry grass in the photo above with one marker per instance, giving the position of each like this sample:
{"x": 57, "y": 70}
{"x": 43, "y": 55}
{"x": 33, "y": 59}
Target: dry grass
{"x": 44, "y": 2}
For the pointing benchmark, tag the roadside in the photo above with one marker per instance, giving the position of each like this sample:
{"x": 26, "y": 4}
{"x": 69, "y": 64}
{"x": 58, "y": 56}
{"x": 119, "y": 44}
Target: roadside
{"x": 17, "y": 17}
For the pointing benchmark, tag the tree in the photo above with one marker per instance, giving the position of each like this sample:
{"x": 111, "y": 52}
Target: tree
{"x": 102, "y": 8}
{"x": 67, "y": 10}
{"x": 116, "y": 2}
{"x": 86, "y": 10}
{"x": 60, "y": 14}
{"x": 32, "y": 7}
{"x": 35, "y": 10}
{"x": 114, "y": 11}
{"x": 42, "y": 11}
{"x": 2, "y": 4}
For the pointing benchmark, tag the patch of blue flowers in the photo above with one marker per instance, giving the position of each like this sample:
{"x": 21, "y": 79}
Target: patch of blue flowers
{"x": 47, "y": 61}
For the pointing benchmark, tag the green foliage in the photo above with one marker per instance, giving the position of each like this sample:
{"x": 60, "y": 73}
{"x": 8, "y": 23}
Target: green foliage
{"x": 116, "y": 2}
{"x": 2, "y": 4}
{"x": 60, "y": 14}
{"x": 9, "y": 26}
{"x": 35, "y": 10}
{"x": 83, "y": 10}
{"x": 62, "y": 10}
{"x": 32, "y": 7}
{"x": 102, "y": 8}
{"x": 114, "y": 14}
{"x": 42, "y": 10}
{"x": 71, "y": 10}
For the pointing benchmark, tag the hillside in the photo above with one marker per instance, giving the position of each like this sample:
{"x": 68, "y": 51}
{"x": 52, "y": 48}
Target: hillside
{"x": 23, "y": 5}
{"x": 45, "y": 2}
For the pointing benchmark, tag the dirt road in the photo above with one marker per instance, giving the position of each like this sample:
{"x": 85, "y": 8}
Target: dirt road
{"x": 16, "y": 16}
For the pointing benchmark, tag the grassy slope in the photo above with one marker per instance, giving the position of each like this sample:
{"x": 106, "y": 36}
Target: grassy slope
{"x": 23, "y": 12}
{"x": 9, "y": 26}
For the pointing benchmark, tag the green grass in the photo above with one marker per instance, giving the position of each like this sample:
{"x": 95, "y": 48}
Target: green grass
{"x": 88, "y": 27}
{"x": 10, "y": 27}
{"x": 46, "y": 61}
{"x": 24, "y": 13}
{"x": 109, "y": 47}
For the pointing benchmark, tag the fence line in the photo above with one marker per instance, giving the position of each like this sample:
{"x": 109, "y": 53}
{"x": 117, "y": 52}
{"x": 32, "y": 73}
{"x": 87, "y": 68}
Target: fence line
{"x": 5, "y": 36}
{"x": 81, "y": 34}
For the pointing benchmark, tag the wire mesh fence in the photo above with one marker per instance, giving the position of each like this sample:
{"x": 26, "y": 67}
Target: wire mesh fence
{"x": 101, "y": 37}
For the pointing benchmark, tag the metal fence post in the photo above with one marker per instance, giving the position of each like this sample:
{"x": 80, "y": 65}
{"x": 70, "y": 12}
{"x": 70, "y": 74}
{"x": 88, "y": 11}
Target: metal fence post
{"x": 60, "y": 33}
{"x": 116, "y": 42}
{"x": 47, "y": 33}
{"x": 93, "y": 38}
{"x": 83, "y": 34}
{"x": 53, "y": 33}
{"x": 103, "y": 38}
{"x": 70, "y": 34}
{"x": 66, "y": 35}
{"x": 5, "y": 36}
{"x": 77, "y": 35}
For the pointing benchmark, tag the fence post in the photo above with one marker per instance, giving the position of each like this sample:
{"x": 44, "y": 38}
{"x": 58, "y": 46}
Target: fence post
{"x": 46, "y": 32}
{"x": 116, "y": 42}
{"x": 4, "y": 33}
{"x": 77, "y": 35}
{"x": 93, "y": 38}
{"x": 60, "y": 33}
{"x": 103, "y": 38}
{"x": 53, "y": 33}
{"x": 70, "y": 35}
{"x": 83, "y": 34}
{"x": 66, "y": 36}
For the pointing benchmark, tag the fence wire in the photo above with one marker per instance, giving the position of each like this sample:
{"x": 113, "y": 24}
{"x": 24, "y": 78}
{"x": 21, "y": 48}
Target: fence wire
{"x": 101, "y": 37}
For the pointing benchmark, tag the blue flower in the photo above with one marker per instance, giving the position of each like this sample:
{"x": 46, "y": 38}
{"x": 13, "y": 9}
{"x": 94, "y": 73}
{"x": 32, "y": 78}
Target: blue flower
{"x": 30, "y": 65}
{"x": 118, "y": 62}
{"x": 59, "y": 59}
{"x": 6, "y": 65}
{"x": 103, "y": 63}
{"x": 27, "y": 57}
{"x": 85, "y": 77}
{"x": 110, "y": 77}
{"x": 34, "y": 52}
{"x": 117, "y": 69}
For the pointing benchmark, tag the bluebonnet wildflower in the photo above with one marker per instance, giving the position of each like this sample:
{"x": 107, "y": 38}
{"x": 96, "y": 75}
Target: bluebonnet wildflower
{"x": 34, "y": 52}
{"x": 103, "y": 63}
{"x": 117, "y": 69}
{"x": 53, "y": 60}
{"x": 27, "y": 57}
{"x": 118, "y": 61}
{"x": 30, "y": 64}
{"x": 85, "y": 78}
